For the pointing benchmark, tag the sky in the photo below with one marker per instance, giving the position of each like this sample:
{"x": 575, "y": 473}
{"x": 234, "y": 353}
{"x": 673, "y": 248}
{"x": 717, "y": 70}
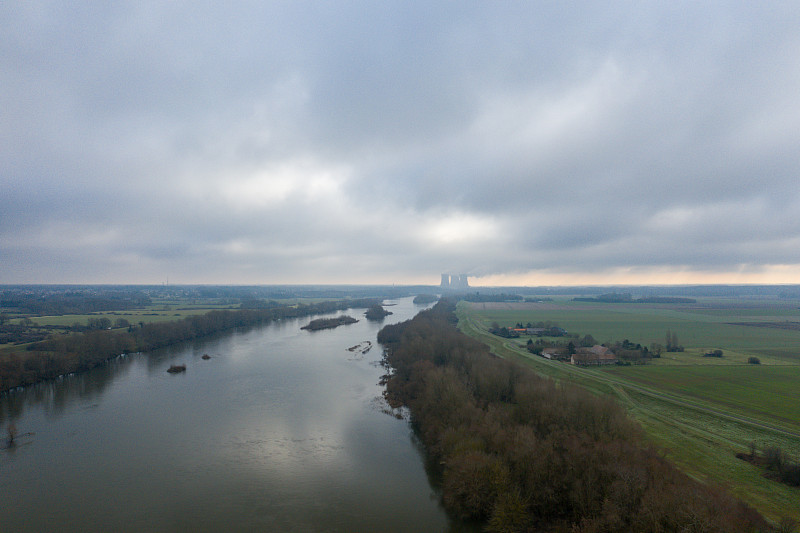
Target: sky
{"x": 520, "y": 143}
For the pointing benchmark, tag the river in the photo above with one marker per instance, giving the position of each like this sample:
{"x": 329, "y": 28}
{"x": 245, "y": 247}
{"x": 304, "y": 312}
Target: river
{"x": 280, "y": 430}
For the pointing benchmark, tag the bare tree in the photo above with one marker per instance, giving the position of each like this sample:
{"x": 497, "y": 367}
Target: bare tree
{"x": 12, "y": 433}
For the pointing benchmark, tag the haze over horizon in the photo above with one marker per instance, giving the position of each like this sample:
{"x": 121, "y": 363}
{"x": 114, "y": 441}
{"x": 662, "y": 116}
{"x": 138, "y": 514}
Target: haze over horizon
{"x": 520, "y": 143}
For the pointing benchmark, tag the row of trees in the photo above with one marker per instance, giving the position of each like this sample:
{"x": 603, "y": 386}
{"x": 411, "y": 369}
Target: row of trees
{"x": 626, "y": 297}
{"x": 523, "y": 453}
{"x": 776, "y": 462}
{"x": 28, "y": 330}
{"x": 72, "y": 302}
{"x": 671, "y": 343}
{"x": 64, "y": 354}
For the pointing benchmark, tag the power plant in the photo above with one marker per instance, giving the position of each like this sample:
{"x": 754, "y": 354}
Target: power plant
{"x": 455, "y": 282}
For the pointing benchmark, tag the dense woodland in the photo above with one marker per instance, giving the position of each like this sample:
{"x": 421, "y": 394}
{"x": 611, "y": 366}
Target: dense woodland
{"x": 522, "y": 453}
{"x": 66, "y": 353}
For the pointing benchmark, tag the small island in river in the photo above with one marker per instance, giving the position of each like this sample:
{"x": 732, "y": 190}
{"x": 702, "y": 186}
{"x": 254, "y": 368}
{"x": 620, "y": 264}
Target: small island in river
{"x": 328, "y": 323}
{"x": 425, "y": 298}
{"x": 377, "y": 312}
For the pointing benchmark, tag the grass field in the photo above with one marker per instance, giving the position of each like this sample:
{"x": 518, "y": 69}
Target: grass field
{"x": 700, "y": 411}
{"x": 151, "y": 313}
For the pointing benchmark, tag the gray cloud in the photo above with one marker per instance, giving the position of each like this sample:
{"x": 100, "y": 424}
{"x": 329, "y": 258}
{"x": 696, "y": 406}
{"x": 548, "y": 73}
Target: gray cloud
{"x": 389, "y": 142}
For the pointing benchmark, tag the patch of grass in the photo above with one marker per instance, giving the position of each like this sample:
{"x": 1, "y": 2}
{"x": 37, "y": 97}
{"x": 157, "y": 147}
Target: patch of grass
{"x": 765, "y": 393}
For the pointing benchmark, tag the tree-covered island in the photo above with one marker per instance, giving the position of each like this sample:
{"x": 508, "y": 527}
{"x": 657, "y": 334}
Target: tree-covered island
{"x": 329, "y": 323}
{"x": 377, "y": 312}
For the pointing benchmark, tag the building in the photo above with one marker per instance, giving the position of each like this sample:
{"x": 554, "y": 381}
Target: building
{"x": 553, "y": 353}
{"x": 596, "y": 355}
{"x": 445, "y": 281}
{"x": 455, "y": 282}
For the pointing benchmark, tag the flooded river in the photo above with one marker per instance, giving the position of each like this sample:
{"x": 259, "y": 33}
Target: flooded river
{"x": 279, "y": 430}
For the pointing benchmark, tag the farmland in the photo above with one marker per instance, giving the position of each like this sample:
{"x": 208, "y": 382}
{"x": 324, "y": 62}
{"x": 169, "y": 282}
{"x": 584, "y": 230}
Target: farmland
{"x": 158, "y": 312}
{"x": 700, "y": 411}
{"x": 157, "y": 309}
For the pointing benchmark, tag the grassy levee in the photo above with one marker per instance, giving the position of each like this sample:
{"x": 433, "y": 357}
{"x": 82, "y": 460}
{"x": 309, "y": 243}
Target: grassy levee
{"x": 699, "y": 432}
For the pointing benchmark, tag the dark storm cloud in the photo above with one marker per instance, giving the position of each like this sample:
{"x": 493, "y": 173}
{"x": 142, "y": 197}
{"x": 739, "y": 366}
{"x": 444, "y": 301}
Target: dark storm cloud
{"x": 349, "y": 141}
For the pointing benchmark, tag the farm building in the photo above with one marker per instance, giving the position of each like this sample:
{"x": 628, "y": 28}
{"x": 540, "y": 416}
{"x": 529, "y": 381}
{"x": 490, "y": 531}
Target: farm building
{"x": 554, "y": 353}
{"x": 596, "y": 355}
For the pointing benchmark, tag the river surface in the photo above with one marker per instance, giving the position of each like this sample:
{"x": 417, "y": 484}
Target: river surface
{"x": 280, "y": 430}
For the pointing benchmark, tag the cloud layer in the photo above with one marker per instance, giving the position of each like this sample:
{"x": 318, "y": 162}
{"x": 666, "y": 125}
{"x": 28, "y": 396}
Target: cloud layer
{"x": 362, "y": 142}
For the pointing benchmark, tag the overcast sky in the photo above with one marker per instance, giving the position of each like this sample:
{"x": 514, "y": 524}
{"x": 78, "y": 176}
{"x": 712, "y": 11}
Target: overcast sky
{"x": 389, "y": 142}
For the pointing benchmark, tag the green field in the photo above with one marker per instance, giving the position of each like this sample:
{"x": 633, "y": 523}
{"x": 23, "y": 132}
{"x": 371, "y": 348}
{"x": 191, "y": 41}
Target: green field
{"x": 157, "y": 313}
{"x": 700, "y": 411}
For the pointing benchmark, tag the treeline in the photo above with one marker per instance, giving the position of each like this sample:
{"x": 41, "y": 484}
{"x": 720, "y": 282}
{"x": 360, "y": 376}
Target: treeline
{"x": 486, "y": 298}
{"x": 28, "y": 331}
{"x": 627, "y": 352}
{"x": 627, "y": 297}
{"x": 72, "y": 303}
{"x": 522, "y": 453}
{"x": 64, "y": 354}
{"x": 777, "y": 465}
{"x": 23, "y": 333}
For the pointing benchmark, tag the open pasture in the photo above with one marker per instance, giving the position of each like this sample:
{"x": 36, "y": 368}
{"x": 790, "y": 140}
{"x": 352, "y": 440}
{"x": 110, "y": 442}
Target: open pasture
{"x": 769, "y": 393}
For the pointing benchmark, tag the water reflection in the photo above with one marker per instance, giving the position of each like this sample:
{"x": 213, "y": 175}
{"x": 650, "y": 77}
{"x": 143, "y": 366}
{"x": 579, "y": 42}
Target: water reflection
{"x": 57, "y": 395}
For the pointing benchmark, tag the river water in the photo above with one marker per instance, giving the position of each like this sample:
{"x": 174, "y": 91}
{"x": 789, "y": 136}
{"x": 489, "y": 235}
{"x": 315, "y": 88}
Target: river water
{"x": 280, "y": 430}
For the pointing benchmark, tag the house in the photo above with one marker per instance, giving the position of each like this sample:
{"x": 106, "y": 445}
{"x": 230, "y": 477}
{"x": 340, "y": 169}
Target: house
{"x": 596, "y": 355}
{"x": 554, "y": 353}
{"x": 554, "y": 331}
